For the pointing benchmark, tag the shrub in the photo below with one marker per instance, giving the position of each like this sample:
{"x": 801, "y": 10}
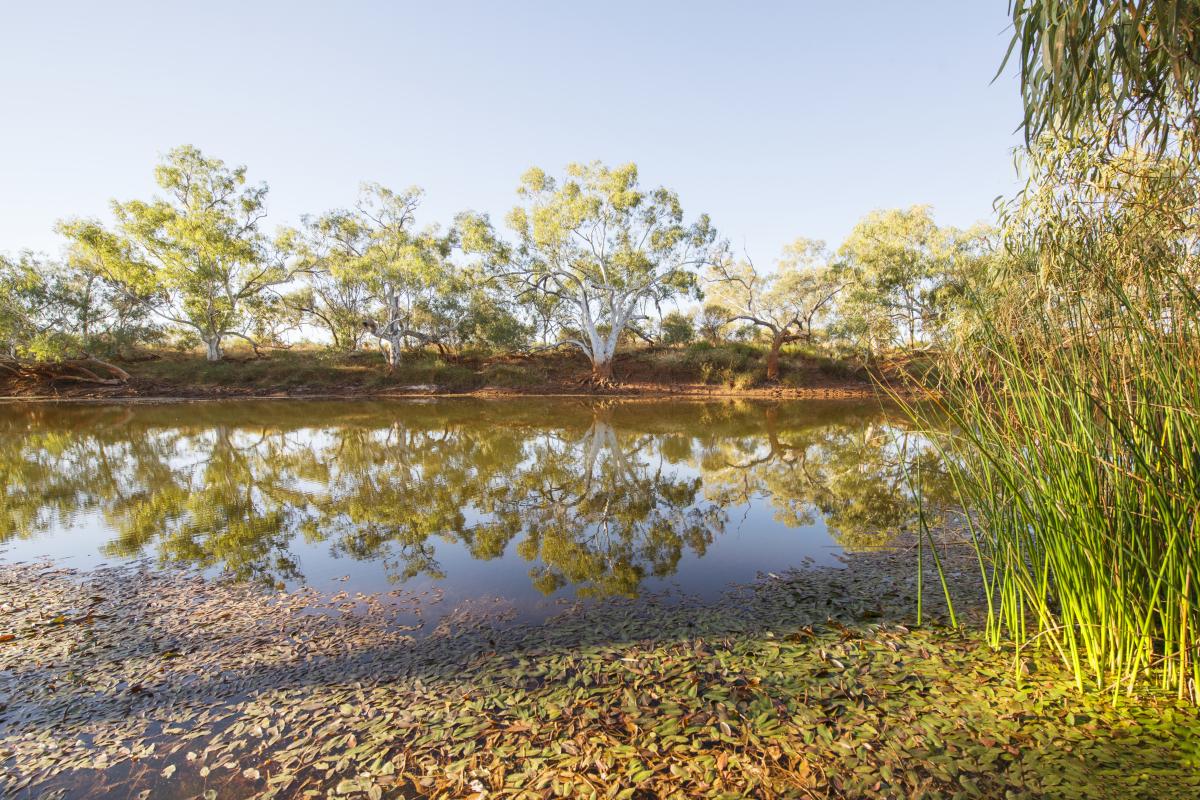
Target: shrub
{"x": 677, "y": 329}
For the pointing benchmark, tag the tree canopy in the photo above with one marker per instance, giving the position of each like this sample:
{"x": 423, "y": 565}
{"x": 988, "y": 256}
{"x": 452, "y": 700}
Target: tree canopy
{"x": 603, "y": 248}
{"x": 593, "y": 260}
{"x": 785, "y": 302}
{"x": 196, "y": 255}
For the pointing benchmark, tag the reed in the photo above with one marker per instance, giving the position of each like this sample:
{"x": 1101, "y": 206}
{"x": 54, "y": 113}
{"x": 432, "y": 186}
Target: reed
{"x": 1079, "y": 466}
{"x": 1073, "y": 398}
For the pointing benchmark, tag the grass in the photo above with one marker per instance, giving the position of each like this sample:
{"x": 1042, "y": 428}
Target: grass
{"x": 1078, "y": 456}
{"x": 315, "y": 370}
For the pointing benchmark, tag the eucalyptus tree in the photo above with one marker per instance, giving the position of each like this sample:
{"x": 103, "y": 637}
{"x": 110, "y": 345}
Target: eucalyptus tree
{"x": 1134, "y": 68}
{"x": 98, "y": 313}
{"x": 603, "y": 248}
{"x": 46, "y": 309}
{"x": 895, "y": 265}
{"x": 338, "y": 302}
{"x": 22, "y": 289}
{"x": 51, "y": 309}
{"x": 371, "y": 262}
{"x": 197, "y": 255}
{"x": 786, "y": 302}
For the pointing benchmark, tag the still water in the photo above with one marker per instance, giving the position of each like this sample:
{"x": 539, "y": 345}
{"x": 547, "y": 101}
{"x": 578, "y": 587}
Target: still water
{"x": 521, "y": 504}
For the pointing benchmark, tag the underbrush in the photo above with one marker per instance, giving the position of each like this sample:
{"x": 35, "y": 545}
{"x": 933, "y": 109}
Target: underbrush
{"x": 742, "y": 365}
{"x": 309, "y": 369}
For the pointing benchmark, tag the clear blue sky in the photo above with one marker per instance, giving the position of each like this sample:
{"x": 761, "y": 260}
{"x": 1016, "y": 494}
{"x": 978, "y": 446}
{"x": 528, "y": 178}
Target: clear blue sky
{"x": 779, "y": 119}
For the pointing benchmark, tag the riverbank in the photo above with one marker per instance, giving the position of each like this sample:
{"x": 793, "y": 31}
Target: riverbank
{"x": 695, "y": 371}
{"x": 813, "y": 683}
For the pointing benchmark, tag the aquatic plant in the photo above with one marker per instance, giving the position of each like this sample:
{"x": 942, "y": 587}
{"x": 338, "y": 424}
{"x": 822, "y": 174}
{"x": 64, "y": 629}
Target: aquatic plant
{"x": 1075, "y": 406}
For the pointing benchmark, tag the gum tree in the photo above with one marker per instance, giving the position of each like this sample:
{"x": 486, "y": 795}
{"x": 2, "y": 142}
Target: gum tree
{"x": 785, "y": 303}
{"x": 604, "y": 248}
{"x": 402, "y": 272}
{"x": 61, "y": 310}
{"x": 895, "y": 265}
{"x": 337, "y": 303}
{"x": 196, "y": 255}
{"x": 22, "y": 303}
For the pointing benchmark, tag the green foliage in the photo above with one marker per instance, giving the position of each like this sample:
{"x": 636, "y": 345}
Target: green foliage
{"x": 785, "y": 303}
{"x": 676, "y": 328}
{"x": 50, "y": 310}
{"x": 1114, "y": 72}
{"x": 22, "y": 287}
{"x": 196, "y": 256}
{"x": 899, "y": 267}
{"x": 1073, "y": 388}
{"x": 1077, "y": 414}
{"x": 371, "y": 269}
{"x": 595, "y": 254}
{"x": 603, "y": 247}
{"x": 711, "y": 320}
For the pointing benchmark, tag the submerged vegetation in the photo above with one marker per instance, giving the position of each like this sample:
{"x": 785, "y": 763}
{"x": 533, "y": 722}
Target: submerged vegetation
{"x": 811, "y": 683}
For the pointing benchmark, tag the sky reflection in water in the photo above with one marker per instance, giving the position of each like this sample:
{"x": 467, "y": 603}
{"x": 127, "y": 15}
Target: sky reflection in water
{"x": 532, "y": 500}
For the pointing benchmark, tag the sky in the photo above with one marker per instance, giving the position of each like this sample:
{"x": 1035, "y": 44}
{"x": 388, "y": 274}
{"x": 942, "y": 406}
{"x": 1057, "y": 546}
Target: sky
{"x": 778, "y": 119}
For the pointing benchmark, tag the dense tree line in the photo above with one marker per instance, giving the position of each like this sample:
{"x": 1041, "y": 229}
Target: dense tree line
{"x": 591, "y": 260}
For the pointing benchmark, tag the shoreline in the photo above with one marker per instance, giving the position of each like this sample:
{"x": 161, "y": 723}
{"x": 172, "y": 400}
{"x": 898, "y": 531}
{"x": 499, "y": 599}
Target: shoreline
{"x": 731, "y": 372}
{"x": 687, "y": 392}
{"x": 814, "y": 680}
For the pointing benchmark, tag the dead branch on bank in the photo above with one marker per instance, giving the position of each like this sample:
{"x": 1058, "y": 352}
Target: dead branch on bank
{"x": 85, "y": 369}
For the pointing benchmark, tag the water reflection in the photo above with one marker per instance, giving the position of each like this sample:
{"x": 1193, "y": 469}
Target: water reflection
{"x": 593, "y": 498}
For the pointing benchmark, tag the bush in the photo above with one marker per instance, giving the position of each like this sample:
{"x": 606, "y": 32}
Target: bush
{"x": 677, "y": 329}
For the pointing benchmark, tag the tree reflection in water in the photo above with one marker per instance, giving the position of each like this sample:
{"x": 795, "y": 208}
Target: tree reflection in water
{"x": 596, "y": 496}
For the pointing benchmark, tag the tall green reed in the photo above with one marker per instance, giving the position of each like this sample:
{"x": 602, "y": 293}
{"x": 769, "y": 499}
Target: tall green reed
{"x": 1075, "y": 451}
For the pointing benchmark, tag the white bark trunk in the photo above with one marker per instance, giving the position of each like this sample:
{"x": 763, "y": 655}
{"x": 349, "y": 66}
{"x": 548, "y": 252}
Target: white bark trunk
{"x": 603, "y": 349}
{"x": 392, "y": 348}
{"x": 213, "y": 343}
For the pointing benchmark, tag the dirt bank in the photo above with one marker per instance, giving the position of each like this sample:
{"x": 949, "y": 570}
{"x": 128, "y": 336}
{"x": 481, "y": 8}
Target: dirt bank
{"x": 733, "y": 371}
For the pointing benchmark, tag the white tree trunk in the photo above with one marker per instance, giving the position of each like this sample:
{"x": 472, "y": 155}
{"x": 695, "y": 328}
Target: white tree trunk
{"x": 601, "y": 350}
{"x": 392, "y": 346}
{"x": 213, "y": 343}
